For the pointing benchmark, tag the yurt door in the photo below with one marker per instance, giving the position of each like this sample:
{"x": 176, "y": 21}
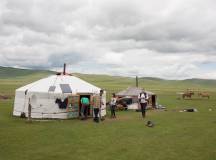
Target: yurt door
{"x": 73, "y": 106}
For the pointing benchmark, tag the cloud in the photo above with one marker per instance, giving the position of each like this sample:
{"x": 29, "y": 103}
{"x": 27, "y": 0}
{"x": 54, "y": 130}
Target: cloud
{"x": 111, "y": 58}
{"x": 170, "y": 39}
{"x": 56, "y": 60}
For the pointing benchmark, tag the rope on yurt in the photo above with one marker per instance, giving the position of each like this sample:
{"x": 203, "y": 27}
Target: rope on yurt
{"x": 45, "y": 112}
{"x": 49, "y": 113}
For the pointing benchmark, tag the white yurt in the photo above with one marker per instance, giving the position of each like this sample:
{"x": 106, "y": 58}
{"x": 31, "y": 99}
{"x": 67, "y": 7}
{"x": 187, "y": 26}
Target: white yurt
{"x": 43, "y": 95}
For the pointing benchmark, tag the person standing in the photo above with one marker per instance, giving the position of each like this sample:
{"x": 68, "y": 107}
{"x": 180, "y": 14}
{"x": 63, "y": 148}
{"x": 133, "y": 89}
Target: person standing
{"x": 113, "y": 105}
{"x": 84, "y": 107}
{"x": 143, "y": 100}
{"x": 101, "y": 103}
{"x": 96, "y": 108}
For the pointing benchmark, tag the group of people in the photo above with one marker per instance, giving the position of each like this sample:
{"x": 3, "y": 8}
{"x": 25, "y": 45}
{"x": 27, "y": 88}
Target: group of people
{"x": 143, "y": 102}
{"x": 97, "y": 101}
{"x": 97, "y": 104}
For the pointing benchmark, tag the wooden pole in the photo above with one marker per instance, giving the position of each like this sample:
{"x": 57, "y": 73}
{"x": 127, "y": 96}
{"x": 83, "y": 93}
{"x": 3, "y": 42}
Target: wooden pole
{"x": 137, "y": 81}
{"x": 29, "y": 111}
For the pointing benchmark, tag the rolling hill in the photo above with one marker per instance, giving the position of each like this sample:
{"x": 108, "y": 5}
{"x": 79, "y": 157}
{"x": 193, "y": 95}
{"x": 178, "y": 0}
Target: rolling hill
{"x": 9, "y": 72}
{"x": 15, "y": 77}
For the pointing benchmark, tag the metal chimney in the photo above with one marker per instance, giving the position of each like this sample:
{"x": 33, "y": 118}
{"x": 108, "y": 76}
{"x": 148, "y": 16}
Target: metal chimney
{"x": 64, "y": 70}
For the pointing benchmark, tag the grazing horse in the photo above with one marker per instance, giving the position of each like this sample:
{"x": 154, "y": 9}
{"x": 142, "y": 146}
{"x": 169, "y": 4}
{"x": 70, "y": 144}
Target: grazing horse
{"x": 187, "y": 94}
{"x": 204, "y": 94}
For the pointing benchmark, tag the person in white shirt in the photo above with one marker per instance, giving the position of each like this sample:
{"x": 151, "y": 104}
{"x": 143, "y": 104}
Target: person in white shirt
{"x": 113, "y": 105}
{"x": 143, "y": 100}
{"x": 101, "y": 104}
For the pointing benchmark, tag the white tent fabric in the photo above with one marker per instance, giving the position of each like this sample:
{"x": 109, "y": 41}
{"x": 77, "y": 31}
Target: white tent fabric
{"x": 43, "y": 93}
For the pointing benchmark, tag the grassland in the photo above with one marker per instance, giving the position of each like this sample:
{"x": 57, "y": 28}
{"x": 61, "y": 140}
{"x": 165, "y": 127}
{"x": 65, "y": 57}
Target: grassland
{"x": 176, "y": 135}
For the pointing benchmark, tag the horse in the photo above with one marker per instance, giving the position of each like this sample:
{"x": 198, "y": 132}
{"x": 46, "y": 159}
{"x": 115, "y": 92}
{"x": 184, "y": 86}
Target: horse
{"x": 187, "y": 94}
{"x": 204, "y": 94}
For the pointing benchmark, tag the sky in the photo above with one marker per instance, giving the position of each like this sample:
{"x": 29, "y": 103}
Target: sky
{"x": 171, "y": 39}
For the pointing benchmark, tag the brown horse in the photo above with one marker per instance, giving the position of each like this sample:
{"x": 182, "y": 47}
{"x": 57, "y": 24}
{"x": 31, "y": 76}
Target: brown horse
{"x": 204, "y": 94}
{"x": 187, "y": 94}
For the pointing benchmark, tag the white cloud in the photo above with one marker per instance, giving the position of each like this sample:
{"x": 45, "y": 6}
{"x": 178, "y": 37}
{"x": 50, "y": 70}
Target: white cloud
{"x": 111, "y": 58}
{"x": 168, "y": 39}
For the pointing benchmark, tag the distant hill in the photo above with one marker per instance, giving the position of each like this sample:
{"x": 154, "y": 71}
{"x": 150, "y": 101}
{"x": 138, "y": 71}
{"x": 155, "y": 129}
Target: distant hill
{"x": 114, "y": 83}
{"x": 149, "y": 83}
{"x": 151, "y": 78}
{"x": 9, "y": 72}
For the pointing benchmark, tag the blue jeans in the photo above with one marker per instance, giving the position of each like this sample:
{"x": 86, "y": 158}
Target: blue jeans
{"x": 84, "y": 111}
{"x": 96, "y": 116}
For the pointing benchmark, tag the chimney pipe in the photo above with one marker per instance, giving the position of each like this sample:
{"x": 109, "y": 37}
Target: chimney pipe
{"x": 137, "y": 81}
{"x": 64, "y": 71}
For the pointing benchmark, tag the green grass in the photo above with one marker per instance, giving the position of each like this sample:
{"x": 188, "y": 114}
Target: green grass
{"x": 176, "y": 135}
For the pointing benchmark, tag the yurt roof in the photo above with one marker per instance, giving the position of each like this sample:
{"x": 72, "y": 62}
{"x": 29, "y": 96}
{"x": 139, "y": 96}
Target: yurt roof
{"x": 132, "y": 91}
{"x": 60, "y": 84}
